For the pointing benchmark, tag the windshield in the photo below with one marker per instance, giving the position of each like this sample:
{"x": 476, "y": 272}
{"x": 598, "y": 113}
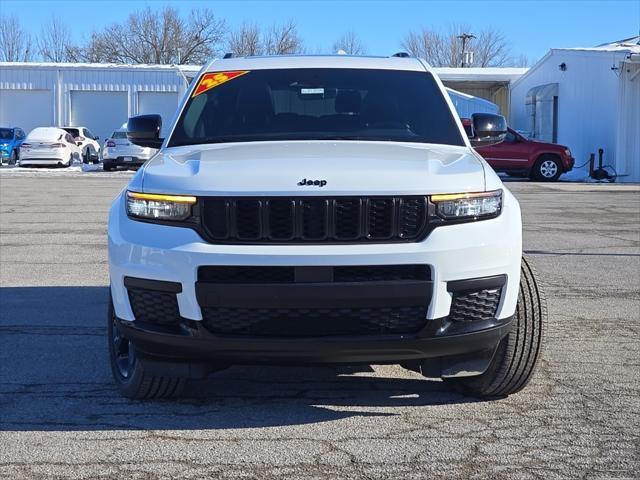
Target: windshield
{"x": 6, "y": 133}
{"x": 316, "y": 104}
{"x": 119, "y": 135}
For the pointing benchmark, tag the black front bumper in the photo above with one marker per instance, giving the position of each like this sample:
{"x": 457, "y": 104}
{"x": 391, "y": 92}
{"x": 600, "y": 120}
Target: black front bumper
{"x": 190, "y": 341}
{"x": 314, "y": 315}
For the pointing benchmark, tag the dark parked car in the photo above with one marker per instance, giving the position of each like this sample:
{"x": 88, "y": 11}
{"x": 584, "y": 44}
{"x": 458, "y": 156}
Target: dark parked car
{"x": 519, "y": 156}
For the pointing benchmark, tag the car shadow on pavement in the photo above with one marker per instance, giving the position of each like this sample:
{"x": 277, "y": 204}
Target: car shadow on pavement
{"x": 55, "y": 376}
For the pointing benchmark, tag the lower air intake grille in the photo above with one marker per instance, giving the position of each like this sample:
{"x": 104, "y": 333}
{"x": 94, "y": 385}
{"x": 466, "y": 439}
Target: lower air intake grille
{"x": 351, "y": 273}
{"x": 299, "y": 322}
{"x": 154, "y": 307}
{"x": 469, "y": 306}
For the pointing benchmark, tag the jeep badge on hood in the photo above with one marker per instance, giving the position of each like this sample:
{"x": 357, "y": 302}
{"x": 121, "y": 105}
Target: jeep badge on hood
{"x": 318, "y": 183}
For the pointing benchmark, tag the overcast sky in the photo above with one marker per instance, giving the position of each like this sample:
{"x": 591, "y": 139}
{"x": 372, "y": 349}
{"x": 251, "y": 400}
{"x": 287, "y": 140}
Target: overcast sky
{"x": 531, "y": 27}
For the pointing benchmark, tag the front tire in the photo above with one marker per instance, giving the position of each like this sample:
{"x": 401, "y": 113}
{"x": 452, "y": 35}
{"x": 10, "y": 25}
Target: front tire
{"x": 13, "y": 158}
{"x": 547, "y": 168}
{"x": 517, "y": 354}
{"x": 128, "y": 369}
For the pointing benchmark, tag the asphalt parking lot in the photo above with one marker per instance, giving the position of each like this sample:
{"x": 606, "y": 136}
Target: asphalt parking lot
{"x": 61, "y": 416}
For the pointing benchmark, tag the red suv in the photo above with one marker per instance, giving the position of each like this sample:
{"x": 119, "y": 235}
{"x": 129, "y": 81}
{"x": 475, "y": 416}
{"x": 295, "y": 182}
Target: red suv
{"x": 519, "y": 156}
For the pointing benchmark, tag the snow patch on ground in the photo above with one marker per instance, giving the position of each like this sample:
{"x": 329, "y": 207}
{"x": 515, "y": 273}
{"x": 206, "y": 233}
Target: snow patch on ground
{"x": 76, "y": 169}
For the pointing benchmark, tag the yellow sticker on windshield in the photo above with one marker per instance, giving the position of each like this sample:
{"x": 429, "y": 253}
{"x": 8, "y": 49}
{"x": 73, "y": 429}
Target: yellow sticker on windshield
{"x": 213, "y": 79}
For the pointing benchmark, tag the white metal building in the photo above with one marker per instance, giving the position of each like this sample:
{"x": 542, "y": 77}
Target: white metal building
{"x": 587, "y": 99}
{"x": 98, "y": 96}
{"x": 490, "y": 83}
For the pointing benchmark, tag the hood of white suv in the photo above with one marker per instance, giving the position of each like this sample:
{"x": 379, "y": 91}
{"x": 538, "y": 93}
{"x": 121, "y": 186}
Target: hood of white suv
{"x": 339, "y": 167}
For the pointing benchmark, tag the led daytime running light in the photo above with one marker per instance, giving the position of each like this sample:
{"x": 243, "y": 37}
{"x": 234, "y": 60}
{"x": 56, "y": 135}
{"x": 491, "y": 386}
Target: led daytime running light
{"x": 457, "y": 196}
{"x": 162, "y": 198}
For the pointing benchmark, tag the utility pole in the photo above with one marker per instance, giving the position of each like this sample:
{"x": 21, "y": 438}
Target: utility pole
{"x": 465, "y": 37}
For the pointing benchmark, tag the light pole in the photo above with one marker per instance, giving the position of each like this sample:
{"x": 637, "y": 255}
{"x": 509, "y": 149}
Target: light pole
{"x": 464, "y": 37}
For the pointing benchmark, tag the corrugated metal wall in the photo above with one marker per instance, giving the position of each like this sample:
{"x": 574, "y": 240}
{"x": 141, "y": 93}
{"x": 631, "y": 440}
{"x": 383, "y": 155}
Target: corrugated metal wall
{"x": 628, "y": 139}
{"x": 20, "y": 78}
{"x": 587, "y": 101}
{"x": 62, "y": 80}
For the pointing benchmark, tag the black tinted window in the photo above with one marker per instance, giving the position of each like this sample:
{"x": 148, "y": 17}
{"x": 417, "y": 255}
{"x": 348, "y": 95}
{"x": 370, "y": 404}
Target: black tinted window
{"x": 6, "y": 133}
{"x": 74, "y": 132}
{"x": 302, "y": 104}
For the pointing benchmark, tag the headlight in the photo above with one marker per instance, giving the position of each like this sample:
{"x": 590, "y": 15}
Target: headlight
{"x": 468, "y": 206}
{"x": 152, "y": 206}
{"x": 567, "y": 152}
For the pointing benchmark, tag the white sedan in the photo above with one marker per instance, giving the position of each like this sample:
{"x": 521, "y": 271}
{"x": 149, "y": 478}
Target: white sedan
{"x": 49, "y": 146}
{"x": 118, "y": 151}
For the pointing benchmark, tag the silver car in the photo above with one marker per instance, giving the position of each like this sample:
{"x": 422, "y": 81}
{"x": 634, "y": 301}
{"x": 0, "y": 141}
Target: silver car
{"x": 118, "y": 151}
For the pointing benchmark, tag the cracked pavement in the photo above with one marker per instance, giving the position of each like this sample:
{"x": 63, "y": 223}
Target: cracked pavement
{"x": 61, "y": 416}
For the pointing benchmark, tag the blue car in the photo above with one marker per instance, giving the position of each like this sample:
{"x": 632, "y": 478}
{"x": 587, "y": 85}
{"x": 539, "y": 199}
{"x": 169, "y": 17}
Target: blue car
{"x": 10, "y": 141}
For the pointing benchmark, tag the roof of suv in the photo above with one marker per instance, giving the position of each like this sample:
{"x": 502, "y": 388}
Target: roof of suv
{"x": 316, "y": 61}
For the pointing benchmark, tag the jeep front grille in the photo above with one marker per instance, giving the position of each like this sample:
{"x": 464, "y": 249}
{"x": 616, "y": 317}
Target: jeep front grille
{"x": 314, "y": 219}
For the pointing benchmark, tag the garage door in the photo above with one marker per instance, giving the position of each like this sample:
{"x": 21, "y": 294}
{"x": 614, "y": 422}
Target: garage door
{"x": 26, "y": 109}
{"x": 100, "y": 112}
{"x": 162, "y": 103}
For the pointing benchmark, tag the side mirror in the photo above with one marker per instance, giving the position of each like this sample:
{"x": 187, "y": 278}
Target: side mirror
{"x": 79, "y": 143}
{"x": 96, "y": 138}
{"x": 488, "y": 129}
{"x": 144, "y": 130}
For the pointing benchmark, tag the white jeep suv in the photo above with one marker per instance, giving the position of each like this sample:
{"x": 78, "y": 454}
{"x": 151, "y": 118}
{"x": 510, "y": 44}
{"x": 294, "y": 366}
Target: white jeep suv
{"x": 317, "y": 209}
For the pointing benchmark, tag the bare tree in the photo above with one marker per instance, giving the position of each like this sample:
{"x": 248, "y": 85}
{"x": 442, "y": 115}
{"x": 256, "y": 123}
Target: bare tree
{"x": 201, "y": 37}
{"x": 350, "y": 43}
{"x": 490, "y": 49}
{"x": 430, "y": 45}
{"x": 54, "y": 42}
{"x": 279, "y": 39}
{"x": 245, "y": 41}
{"x": 444, "y": 49}
{"x": 523, "y": 60}
{"x": 282, "y": 39}
{"x": 158, "y": 37}
{"x": 15, "y": 43}
{"x": 94, "y": 50}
